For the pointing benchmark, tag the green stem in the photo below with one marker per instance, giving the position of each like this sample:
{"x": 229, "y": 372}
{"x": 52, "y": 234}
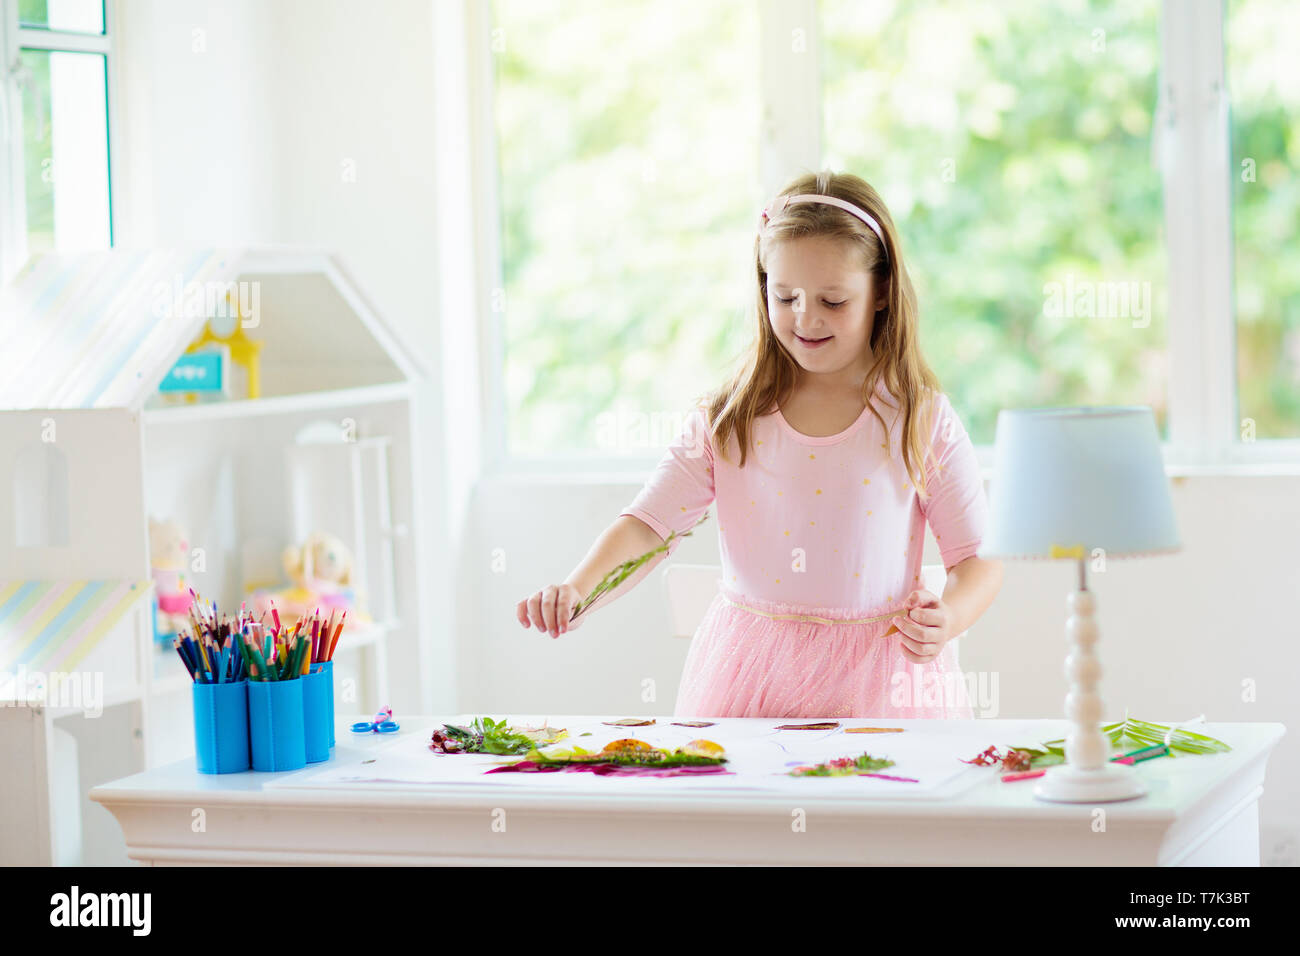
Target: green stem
{"x": 628, "y": 568}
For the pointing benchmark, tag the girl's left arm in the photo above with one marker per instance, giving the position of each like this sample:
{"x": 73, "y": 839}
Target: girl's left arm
{"x": 971, "y": 587}
{"x": 957, "y": 511}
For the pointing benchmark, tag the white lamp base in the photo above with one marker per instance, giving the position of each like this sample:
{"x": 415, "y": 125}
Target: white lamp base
{"x": 1111, "y": 782}
{"x": 1087, "y": 776}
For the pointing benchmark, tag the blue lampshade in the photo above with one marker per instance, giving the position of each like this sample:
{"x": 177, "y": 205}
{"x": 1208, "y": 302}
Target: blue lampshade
{"x": 1069, "y": 480}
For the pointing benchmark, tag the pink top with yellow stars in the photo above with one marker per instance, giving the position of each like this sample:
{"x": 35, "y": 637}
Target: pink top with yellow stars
{"x": 822, "y": 522}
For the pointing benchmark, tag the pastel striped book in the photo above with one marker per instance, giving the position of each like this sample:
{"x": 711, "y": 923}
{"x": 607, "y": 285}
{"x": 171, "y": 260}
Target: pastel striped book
{"x": 53, "y": 625}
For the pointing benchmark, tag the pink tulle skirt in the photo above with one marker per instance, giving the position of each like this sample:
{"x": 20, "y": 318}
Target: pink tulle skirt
{"x": 743, "y": 664}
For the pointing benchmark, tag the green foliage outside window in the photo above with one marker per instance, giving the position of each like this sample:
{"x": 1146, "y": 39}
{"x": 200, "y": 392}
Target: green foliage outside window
{"x": 1012, "y": 140}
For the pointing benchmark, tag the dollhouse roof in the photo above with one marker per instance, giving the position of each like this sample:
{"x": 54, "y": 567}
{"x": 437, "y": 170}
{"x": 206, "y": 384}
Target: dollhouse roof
{"x": 102, "y": 329}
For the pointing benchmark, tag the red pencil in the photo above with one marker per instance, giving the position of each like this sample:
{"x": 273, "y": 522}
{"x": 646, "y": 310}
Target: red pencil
{"x": 326, "y": 635}
{"x": 1023, "y": 775}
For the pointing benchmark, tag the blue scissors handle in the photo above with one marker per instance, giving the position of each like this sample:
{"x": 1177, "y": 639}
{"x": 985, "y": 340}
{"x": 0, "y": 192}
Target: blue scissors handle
{"x": 369, "y": 726}
{"x": 382, "y": 724}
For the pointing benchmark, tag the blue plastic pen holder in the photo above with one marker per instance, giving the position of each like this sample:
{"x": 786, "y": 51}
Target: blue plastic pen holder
{"x": 221, "y": 727}
{"x": 275, "y": 724}
{"x": 328, "y": 668}
{"x": 318, "y": 717}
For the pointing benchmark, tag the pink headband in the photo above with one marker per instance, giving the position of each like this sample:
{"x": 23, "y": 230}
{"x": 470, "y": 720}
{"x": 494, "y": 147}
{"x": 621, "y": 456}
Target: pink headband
{"x": 779, "y": 204}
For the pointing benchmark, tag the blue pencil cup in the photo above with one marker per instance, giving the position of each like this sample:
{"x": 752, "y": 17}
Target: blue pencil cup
{"x": 327, "y": 667}
{"x": 317, "y": 716}
{"x": 275, "y": 724}
{"x": 221, "y": 727}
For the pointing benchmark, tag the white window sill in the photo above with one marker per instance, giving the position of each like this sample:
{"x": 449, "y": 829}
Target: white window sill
{"x": 618, "y": 472}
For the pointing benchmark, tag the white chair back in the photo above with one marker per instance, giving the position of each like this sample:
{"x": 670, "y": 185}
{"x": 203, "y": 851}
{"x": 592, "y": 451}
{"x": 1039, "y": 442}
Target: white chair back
{"x": 690, "y": 589}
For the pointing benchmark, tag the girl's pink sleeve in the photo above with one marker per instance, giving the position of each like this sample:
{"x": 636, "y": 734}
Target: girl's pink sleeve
{"x": 681, "y": 487}
{"x": 956, "y": 508}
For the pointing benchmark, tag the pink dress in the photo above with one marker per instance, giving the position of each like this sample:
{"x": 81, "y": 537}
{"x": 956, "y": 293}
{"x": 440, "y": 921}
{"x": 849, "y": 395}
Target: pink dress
{"x": 821, "y": 542}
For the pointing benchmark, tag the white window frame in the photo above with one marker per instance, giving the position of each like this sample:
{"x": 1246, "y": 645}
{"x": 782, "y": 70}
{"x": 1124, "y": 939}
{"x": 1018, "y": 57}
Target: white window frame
{"x": 13, "y": 198}
{"x": 13, "y": 39}
{"x": 1191, "y": 145}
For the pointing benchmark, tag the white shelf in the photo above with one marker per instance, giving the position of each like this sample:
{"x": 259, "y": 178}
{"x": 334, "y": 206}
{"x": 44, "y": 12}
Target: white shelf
{"x": 277, "y": 405}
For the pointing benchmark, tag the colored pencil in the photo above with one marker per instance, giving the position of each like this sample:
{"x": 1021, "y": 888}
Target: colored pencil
{"x": 334, "y": 638}
{"x": 1140, "y": 756}
{"x": 1022, "y": 775}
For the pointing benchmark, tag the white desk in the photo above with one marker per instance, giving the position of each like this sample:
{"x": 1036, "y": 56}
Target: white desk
{"x": 1198, "y": 811}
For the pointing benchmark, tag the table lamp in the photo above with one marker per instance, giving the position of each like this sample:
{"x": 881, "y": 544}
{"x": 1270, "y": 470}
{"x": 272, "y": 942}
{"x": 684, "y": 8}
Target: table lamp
{"x": 1080, "y": 484}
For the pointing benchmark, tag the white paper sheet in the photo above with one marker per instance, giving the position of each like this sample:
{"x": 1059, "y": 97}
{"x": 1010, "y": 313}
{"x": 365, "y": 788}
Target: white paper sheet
{"x": 760, "y": 758}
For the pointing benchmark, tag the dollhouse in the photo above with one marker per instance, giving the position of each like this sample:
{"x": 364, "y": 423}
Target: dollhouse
{"x": 177, "y": 419}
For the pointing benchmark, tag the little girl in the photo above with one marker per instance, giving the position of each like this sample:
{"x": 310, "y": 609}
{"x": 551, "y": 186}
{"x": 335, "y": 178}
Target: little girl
{"x": 827, "y": 453}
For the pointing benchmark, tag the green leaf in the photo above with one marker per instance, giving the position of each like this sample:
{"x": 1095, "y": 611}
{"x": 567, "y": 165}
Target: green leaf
{"x": 1046, "y": 760}
{"x": 844, "y": 767}
{"x": 1146, "y": 734}
{"x": 616, "y": 577}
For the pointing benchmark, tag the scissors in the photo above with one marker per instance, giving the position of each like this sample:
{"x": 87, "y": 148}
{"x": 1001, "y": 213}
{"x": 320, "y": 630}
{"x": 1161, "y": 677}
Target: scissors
{"x": 382, "y": 724}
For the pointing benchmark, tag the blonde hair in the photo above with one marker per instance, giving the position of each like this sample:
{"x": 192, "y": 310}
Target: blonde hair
{"x": 767, "y": 374}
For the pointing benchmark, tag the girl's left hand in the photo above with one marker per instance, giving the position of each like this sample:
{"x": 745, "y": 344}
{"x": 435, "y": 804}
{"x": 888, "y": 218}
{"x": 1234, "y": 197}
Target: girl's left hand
{"x": 926, "y": 627}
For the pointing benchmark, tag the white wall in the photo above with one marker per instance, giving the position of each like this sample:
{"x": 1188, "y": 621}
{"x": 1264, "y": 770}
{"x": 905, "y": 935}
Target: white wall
{"x": 193, "y": 123}
{"x": 304, "y": 122}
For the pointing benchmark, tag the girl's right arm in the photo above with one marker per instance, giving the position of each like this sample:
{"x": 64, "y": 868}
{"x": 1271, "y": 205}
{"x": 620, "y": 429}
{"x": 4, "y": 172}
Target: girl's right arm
{"x": 551, "y": 607}
{"x": 678, "y": 492}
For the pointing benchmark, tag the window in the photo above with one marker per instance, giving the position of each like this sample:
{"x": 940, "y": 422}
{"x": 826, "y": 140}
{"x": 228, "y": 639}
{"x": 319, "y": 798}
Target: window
{"x": 73, "y": 16}
{"x": 1097, "y": 201}
{"x": 55, "y": 171}
{"x": 627, "y": 137}
{"x": 1011, "y": 141}
{"x": 1264, "y": 86}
